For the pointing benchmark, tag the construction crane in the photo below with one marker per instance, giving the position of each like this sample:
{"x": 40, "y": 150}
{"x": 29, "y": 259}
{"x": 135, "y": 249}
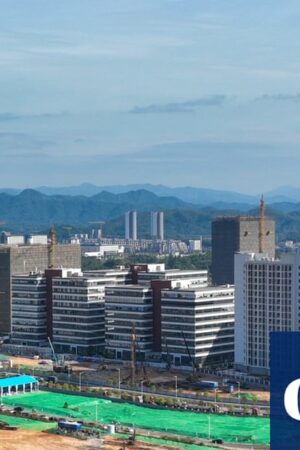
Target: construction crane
{"x": 52, "y": 248}
{"x": 169, "y": 364}
{"x": 143, "y": 367}
{"x": 262, "y": 225}
{"x": 52, "y": 349}
{"x": 58, "y": 365}
{"x": 193, "y": 362}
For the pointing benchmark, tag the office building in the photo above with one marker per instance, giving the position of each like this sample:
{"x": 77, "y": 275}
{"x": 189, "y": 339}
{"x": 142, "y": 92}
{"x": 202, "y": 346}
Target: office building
{"x": 239, "y": 234}
{"x": 128, "y": 307}
{"x": 78, "y": 323}
{"x": 197, "y": 326}
{"x": 140, "y": 304}
{"x": 267, "y": 299}
{"x": 24, "y": 259}
{"x": 131, "y": 225}
{"x": 157, "y": 225}
{"x": 144, "y": 273}
{"x": 29, "y": 310}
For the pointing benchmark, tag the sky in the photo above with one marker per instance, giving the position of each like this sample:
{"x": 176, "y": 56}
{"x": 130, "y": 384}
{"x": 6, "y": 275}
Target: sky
{"x": 203, "y": 93}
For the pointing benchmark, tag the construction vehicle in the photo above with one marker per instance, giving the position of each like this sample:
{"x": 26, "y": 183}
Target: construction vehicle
{"x": 59, "y": 366}
{"x": 168, "y": 362}
{"x": 192, "y": 360}
{"x": 132, "y": 439}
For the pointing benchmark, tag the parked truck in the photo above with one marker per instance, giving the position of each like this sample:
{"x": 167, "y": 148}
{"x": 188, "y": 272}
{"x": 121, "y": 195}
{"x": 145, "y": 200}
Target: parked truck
{"x": 208, "y": 384}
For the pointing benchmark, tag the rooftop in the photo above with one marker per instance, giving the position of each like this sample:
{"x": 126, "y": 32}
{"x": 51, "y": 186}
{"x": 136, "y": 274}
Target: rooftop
{"x": 17, "y": 381}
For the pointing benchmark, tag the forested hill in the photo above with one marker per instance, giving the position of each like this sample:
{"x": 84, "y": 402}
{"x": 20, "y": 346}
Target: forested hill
{"x": 33, "y": 211}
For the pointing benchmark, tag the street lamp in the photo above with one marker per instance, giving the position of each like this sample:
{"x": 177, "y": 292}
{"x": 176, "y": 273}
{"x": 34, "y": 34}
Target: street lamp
{"x": 80, "y": 373}
{"x": 96, "y": 411}
{"x": 119, "y": 379}
{"x": 239, "y": 388}
{"x": 176, "y": 386}
{"x": 209, "y": 428}
{"x": 142, "y": 387}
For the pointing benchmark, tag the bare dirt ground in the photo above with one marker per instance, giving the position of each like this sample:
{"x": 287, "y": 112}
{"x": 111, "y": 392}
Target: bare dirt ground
{"x": 32, "y": 440}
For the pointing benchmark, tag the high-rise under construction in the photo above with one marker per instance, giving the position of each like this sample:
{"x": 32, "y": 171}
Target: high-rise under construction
{"x": 239, "y": 234}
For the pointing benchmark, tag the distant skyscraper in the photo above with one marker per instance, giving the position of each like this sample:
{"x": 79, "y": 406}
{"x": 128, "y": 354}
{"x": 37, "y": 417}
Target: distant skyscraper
{"x": 239, "y": 234}
{"x": 131, "y": 225}
{"x": 157, "y": 225}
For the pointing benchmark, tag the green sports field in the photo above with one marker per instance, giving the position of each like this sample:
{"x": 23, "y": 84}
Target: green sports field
{"x": 228, "y": 428}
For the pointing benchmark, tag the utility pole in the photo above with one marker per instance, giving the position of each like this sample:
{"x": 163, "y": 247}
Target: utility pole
{"x": 119, "y": 379}
{"x": 176, "y": 386}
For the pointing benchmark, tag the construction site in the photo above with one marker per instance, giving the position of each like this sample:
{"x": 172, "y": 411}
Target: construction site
{"x": 155, "y": 402}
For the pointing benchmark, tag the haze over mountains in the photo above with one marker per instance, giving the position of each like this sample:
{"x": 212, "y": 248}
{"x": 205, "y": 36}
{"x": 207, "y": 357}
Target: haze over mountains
{"x": 34, "y": 211}
{"x": 194, "y": 195}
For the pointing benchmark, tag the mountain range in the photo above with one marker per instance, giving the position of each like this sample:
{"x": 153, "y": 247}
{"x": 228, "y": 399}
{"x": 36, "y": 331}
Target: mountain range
{"x": 33, "y": 211}
{"x": 187, "y": 194}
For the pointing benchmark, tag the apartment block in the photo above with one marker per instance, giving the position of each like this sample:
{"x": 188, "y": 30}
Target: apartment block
{"x": 157, "y": 225}
{"x": 267, "y": 299}
{"x": 131, "y": 225}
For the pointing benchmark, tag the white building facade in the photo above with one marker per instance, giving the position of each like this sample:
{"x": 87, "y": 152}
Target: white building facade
{"x": 29, "y": 310}
{"x": 128, "y": 307}
{"x": 198, "y": 325}
{"x": 78, "y": 314}
{"x": 267, "y": 299}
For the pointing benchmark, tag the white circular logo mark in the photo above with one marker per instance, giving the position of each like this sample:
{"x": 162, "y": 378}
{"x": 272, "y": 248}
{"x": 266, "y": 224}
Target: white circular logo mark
{"x": 291, "y": 400}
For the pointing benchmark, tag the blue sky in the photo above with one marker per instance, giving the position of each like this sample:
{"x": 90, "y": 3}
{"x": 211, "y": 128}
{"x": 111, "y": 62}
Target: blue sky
{"x": 178, "y": 92}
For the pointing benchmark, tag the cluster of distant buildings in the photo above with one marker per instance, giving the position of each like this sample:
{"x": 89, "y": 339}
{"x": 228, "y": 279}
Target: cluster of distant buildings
{"x": 182, "y": 317}
{"x": 95, "y": 245}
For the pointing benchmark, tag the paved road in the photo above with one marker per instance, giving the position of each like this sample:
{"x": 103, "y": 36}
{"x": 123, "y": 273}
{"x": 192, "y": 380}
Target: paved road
{"x": 89, "y": 381}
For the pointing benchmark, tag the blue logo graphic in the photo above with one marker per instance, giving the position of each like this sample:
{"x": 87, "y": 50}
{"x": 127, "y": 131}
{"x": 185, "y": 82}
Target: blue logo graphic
{"x": 285, "y": 388}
